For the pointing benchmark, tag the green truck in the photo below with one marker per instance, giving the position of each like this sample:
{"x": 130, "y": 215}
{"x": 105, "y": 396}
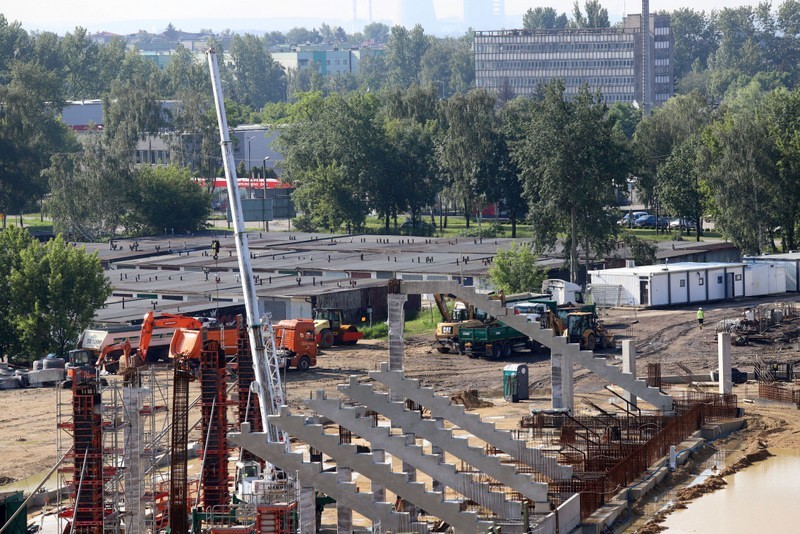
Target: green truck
{"x": 495, "y": 341}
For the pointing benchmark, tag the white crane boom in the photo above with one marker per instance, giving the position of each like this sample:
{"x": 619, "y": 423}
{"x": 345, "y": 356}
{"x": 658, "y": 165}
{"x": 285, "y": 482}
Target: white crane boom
{"x": 262, "y": 347}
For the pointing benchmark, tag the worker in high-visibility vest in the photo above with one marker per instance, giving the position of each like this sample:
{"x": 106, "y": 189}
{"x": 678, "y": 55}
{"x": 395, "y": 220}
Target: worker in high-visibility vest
{"x": 700, "y": 317}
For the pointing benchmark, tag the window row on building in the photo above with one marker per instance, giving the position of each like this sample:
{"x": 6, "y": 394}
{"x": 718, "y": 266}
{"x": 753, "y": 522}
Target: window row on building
{"x": 544, "y": 64}
{"x": 554, "y": 47}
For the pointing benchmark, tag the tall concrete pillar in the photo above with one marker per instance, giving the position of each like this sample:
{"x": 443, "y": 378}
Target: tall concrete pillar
{"x": 562, "y": 378}
{"x": 133, "y": 434}
{"x": 557, "y": 395}
{"x": 396, "y": 322}
{"x": 308, "y": 509}
{"x": 629, "y": 366}
{"x": 568, "y": 383}
{"x": 724, "y": 357}
{"x": 344, "y": 515}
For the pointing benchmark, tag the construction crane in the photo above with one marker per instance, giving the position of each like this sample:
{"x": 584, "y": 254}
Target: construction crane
{"x": 262, "y": 339}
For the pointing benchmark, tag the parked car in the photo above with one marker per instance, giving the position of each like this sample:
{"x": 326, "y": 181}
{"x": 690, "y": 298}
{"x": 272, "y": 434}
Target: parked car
{"x": 651, "y": 221}
{"x": 683, "y": 224}
{"x": 630, "y": 217}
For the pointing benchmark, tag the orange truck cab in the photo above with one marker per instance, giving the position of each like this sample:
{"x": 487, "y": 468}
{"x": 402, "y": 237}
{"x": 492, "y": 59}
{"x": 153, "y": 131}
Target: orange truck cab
{"x": 296, "y": 343}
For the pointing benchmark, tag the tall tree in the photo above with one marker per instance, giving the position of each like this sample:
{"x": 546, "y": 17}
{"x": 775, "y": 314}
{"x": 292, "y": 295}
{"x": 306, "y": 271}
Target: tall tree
{"x": 465, "y": 147}
{"x": 404, "y": 53}
{"x": 376, "y": 32}
{"x": 89, "y": 191}
{"x": 257, "y": 78}
{"x": 30, "y": 132}
{"x": 571, "y": 159}
{"x": 544, "y": 18}
{"x": 81, "y": 57}
{"x": 596, "y": 15}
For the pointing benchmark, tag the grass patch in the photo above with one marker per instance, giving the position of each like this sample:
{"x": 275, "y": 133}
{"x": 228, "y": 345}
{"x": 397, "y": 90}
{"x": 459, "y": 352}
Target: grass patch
{"x": 417, "y": 323}
{"x": 456, "y": 226}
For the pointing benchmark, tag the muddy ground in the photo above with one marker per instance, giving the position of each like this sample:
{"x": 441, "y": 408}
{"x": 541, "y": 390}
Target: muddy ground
{"x": 28, "y": 417}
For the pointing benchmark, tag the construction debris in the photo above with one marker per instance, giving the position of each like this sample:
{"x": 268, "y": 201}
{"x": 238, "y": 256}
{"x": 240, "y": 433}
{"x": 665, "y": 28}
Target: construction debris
{"x": 470, "y": 399}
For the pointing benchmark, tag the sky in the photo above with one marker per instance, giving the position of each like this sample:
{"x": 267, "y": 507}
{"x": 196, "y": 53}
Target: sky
{"x": 266, "y": 15}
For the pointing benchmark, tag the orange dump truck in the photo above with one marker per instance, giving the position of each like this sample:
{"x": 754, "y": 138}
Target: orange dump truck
{"x": 296, "y": 343}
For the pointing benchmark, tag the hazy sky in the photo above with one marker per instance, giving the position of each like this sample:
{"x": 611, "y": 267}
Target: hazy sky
{"x": 95, "y": 15}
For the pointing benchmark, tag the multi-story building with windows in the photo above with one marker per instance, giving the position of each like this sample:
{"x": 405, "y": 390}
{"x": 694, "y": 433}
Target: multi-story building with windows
{"x": 618, "y": 62}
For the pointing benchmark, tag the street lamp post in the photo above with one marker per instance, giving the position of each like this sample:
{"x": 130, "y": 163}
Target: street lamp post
{"x": 249, "y": 155}
{"x": 264, "y": 196}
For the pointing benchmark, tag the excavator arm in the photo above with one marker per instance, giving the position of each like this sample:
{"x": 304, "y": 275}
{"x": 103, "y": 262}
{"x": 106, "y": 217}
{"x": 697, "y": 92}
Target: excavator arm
{"x": 442, "y": 305}
{"x": 126, "y": 350}
{"x": 165, "y": 320}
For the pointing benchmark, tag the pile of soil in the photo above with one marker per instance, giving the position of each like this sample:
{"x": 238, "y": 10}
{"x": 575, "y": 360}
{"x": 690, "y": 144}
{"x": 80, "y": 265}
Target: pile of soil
{"x": 470, "y": 399}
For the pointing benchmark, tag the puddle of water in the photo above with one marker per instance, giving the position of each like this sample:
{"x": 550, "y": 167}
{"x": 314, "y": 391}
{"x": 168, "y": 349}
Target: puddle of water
{"x": 761, "y": 498}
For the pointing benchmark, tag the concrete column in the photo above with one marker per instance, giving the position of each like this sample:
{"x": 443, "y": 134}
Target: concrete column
{"x": 378, "y": 491}
{"x": 724, "y": 357}
{"x": 561, "y": 372}
{"x": 568, "y": 383}
{"x": 396, "y": 322}
{"x": 133, "y": 434}
{"x": 629, "y": 366}
{"x": 556, "y": 395}
{"x": 344, "y": 515}
{"x": 308, "y": 510}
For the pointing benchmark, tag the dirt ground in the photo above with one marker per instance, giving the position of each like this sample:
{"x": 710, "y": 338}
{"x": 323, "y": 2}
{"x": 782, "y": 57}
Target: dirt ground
{"x": 28, "y": 417}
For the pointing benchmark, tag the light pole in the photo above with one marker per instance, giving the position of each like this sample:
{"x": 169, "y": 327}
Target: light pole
{"x": 264, "y": 196}
{"x": 249, "y": 154}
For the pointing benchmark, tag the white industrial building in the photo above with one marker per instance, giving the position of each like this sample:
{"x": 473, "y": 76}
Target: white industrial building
{"x": 683, "y": 283}
{"x": 788, "y": 262}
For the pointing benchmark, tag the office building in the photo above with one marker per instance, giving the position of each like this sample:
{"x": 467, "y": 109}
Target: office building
{"x": 618, "y": 62}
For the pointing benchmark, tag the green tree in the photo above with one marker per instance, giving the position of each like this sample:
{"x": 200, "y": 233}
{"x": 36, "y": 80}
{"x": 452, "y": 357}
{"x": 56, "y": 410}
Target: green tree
{"x": 404, "y": 52}
{"x": 327, "y": 200}
{"x": 89, "y": 191}
{"x": 680, "y": 190}
{"x": 166, "y": 197}
{"x": 596, "y": 15}
{"x": 571, "y": 159}
{"x": 13, "y": 241}
{"x": 55, "y": 292}
{"x": 376, "y": 32}
{"x": 544, "y": 18}
{"x": 30, "y": 132}
{"x": 515, "y": 270}
{"x": 738, "y": 163}
{"x": 465, "y": 146}
{"x": 257, "y": 78}
{"x": 695, "y": 40}
{"x": 81, "y": 58}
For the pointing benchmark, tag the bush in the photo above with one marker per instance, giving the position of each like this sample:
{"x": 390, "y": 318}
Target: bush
{"x": 489, "y": 230}
{"x": 376, "y": 331}
{"x": 304, "y": 223}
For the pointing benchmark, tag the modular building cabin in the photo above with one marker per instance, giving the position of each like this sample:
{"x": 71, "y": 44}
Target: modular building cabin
{"x": 677, "y": 283}
{"x": 788, "y": 262}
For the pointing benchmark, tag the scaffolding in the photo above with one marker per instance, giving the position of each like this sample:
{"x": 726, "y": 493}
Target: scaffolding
{"x": 214, "y": 409}
{"x": 178, "y": 483}
{"x": 83, "y": 480}
{"x": 247, "y": 405}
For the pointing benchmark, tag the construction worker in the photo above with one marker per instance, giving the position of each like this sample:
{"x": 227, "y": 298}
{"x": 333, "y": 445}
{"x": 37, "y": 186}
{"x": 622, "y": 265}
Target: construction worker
{"x": 700, "y": 317}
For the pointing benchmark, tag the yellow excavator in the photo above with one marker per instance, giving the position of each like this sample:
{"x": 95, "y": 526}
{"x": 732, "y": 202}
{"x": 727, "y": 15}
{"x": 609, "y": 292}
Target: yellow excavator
{"x": 463, "y": 315}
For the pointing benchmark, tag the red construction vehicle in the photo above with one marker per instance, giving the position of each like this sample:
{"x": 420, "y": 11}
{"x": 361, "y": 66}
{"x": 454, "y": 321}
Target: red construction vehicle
{"x": 296, "y": 344}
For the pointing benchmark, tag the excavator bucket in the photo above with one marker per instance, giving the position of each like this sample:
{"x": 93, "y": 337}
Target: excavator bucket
{"x": 186, "y": 343}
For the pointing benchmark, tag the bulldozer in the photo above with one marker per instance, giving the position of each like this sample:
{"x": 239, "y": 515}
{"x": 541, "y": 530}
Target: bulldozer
{"x": 582, "y": 328}
{"x": 331, "y": 330}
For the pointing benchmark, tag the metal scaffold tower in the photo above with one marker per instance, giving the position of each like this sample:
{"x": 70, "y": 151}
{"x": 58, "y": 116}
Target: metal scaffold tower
{"x": 178, "y": 483}
{"x": 86, "y": 484}
{"x": 214, "y": 409}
